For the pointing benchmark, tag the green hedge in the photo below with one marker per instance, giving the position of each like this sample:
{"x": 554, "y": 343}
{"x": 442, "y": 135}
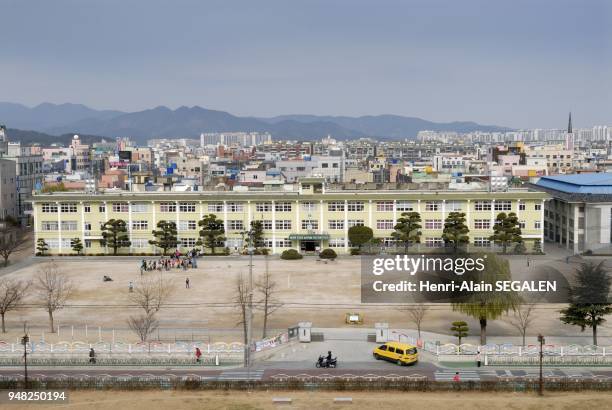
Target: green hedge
{"x": 328, "y": 254}
{"x": 290, "y": 254}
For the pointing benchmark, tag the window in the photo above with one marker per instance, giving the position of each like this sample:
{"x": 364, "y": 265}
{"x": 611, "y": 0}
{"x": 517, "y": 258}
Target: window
{"x": 384, "y": 224}
{"x": 282, "y": 206}
{"x": 537, "y": 224}
{"x": 503, "y": 205}
{"x": 434, "y": 242}
{"x": 453, "y": 206}
{"x": 234, "y": 207}
{"x": 355, "y": 206}
{"x": 336, "y": 243}
{"x": 49, "y": 207}
{"x": 308, "y": 206}
{"x": 482, "y": 223}
{"x": 389, "y": 242}
{"x": 86, "y": 207}
{"x": 167, "y": 207}
{"x": 384, "y": 206}
{"x": 87, "y": 243}
{"x": 120, "y": 207}
{"x": 283, "y": 224}
{"x": 215, "y": 207}
{"x": 268, "y": 243}
{"x": 266, "y": 225}
{"x": 139, "y": 243}
{"x": 187, "y": 207}
{"x": 283, "y": 243}
{"x": 355, "y": 222}
{"x": 140, "y": 207}
{"x": 324, "y": 165}
{"x": 87, "y": 226}
{"x": 102, "y": 208}
{"x": 482, "y": 242}
{"x": 187, "y": 225}
{"x": 263, "y": 206}
{"x": 188, "y": 242}
{"x": 521, "y": 206}
{"x": 140, "y": 225}
{"x": 48, "y": 225}
{"x": 69, "y": 207}
{"x": 522, "y": 224}
{"x": 538, "y": 207}
{"x": 69, "y": 225}
{"x": 433, "y": 224}
{"x": 482, "y": 205}
{"x": 404, "y": 206}
{"x": 310, "y": 224}
{"x": 335, "y": 224}
{"x": 335, "y": 206}
{"x": 235, "y": 225}
{"x": 432, "y": 205}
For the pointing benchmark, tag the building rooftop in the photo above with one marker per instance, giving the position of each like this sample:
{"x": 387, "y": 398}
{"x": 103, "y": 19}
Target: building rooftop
{"x": 600, "y": 184}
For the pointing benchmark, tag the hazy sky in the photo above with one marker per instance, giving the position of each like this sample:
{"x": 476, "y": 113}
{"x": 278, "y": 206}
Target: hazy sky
{"x": 519, "y": 63}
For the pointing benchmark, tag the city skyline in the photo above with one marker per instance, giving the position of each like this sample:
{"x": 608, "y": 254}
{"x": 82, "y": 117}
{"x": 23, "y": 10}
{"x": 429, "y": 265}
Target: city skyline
{"x": 513, "y": 64}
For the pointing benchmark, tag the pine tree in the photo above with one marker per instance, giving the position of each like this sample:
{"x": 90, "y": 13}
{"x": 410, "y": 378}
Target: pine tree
{"x": 212, "y": 232}
{"x": 114, "y": 235}
{"x": 506, "y": 230}
{"x": 455, "y": 230}
{"x": 407, "y": 229}
{"x": 76, "y": 245}
{"x": 460, "y": 330}
{"x": 256, "y": 235}
{"x": 165, "y": 236}
{"x": 589, "y": 298}
{"x": 41, "y": 246}
{"x": 360, "y": 235}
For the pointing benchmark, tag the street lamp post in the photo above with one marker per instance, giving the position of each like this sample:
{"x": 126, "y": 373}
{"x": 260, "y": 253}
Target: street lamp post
{"x": 541, "y": 385}
{"x": 24, "y": 341}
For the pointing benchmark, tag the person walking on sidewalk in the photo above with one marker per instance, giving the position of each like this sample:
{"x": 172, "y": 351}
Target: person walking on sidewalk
{"x": 198, "y": 354}
{"x": 187, "y": 283}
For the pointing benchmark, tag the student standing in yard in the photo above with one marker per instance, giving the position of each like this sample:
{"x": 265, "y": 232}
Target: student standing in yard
{"x": 198, "y": 354}
{"x": 478, "y": 359}
{"x": 187, "y": 283}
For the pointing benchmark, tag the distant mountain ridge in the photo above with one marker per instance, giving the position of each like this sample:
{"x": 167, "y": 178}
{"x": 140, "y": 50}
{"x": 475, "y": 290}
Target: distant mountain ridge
{"x": 58, "y": 119}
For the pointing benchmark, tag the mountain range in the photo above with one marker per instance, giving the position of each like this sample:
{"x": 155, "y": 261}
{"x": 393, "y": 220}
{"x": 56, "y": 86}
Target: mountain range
{"x": 65, "y": 119}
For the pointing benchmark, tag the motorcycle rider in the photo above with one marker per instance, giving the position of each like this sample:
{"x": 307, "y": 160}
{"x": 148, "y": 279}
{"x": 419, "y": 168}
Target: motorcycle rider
{"x": 329, "y": 356}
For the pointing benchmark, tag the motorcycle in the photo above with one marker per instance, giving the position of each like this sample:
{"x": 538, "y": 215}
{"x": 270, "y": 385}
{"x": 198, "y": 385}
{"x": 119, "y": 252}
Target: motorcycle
{"x": 324, "y": 363}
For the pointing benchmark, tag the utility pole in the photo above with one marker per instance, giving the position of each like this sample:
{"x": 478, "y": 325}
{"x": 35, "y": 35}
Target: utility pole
{"x": 25, "y": 340}
{"x": 250, "y": 304}
{"x": 541, "y": 385}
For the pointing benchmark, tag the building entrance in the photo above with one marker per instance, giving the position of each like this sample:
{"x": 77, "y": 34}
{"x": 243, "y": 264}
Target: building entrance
{"x": 309, "y": 246}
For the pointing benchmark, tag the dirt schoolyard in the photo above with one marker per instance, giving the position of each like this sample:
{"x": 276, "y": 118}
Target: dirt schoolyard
{"x": 309, "y": 291}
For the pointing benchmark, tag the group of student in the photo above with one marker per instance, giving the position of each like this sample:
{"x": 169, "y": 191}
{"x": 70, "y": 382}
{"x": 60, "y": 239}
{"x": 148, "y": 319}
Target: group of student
{"x": 176, "y": 260}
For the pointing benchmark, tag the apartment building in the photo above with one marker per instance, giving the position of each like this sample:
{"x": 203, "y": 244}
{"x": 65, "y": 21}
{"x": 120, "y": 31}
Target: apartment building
{"x": 308, "y": 217}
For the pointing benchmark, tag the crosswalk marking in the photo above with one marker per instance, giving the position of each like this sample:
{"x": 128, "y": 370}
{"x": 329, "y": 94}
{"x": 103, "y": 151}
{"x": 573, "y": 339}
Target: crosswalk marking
{"x": 464, "y": 375}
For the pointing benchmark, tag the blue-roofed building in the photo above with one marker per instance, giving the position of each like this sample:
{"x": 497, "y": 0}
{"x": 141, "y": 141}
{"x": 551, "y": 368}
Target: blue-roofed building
{"x": 580, "y": 214}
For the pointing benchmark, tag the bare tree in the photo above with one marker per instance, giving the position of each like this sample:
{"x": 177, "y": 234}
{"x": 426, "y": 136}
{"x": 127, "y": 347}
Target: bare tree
{"x": 416, "y": 314}
{"x": 143, "y": 325}
{"x": 54, "y": 289}
{"x": 268, "y": 303}
{"x": 522, "y": 318}
{"x": 11, "y": 240}
{"x": 11, "y": 295}
{"x": 241, "y": 299}
{"x": 151, "y": 294}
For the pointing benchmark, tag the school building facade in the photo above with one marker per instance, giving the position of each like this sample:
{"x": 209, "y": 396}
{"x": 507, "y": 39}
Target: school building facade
{"x": 306, "y": 219}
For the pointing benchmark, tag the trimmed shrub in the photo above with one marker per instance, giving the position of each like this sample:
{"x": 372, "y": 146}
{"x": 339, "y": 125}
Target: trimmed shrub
{"x": 355, "y": 251}
{"x": 328, "y": 254}
{"x": 290, "y": 254}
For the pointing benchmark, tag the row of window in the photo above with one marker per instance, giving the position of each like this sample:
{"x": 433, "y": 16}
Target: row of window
{"x": 306, "y": 224}
{"x": 333, "y": 206}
